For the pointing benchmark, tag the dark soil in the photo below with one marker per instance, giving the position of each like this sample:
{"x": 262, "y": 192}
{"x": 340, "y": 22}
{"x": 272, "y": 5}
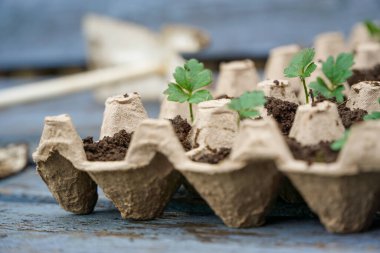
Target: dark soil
{"x": 282, "y": 111}
{"x": 320, "y": 152}
{"x": 364, "y": 75}
{"x": 109, "y": 148}
{"x": 214, "y": 157}
{"x": 182, "y": 129}
{"x": 348, "y": 116}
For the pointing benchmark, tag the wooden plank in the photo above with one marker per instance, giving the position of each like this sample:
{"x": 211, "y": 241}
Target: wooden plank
{"x": 40, "y": 33}
{"x": 44, "y": 227}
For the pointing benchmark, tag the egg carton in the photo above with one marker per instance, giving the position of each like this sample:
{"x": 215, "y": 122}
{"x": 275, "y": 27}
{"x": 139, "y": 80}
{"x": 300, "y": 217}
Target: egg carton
{"x": 240, "y": 190}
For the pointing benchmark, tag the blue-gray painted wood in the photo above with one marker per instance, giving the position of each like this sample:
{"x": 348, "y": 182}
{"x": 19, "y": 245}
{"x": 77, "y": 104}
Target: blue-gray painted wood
{"x": 42, "y": 226}
{"x": 39, "y": 33}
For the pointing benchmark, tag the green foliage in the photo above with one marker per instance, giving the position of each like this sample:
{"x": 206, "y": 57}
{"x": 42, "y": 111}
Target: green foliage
{"x": 337, "y": 71}
{"x": 302, "y": 66}
{"x": 373, "y": 115}
{"x": 246, "y": 105}
{"x": 339, "y": 144}
{"x": 373, "y": 29}
{"x": 189, "y": 81}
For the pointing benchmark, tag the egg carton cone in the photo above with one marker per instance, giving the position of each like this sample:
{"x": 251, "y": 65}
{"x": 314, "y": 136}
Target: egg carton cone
{"x": 343, "y": 194}
{"x": 236, "y": 77}
{"x": 240, "y": 189}
{"x": 364, "y": 95}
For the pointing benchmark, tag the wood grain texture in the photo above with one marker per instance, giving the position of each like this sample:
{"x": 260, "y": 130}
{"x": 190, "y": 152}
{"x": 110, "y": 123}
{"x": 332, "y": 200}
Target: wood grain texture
{"x": 40, "y": 33}
{"x": 32, "y": 222}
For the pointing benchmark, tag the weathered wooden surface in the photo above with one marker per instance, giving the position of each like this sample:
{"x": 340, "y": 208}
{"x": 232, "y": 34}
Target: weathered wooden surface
{"x": 38, "y": 33}
{"x": 32, "y": 221}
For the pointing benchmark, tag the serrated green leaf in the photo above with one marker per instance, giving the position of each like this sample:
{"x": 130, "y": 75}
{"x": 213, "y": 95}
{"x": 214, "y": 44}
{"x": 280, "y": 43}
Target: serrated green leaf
{"x": 193, "y": 66}
{"x": 300, "y": 62}
{"x": 320, "y": 87}
{"x": 180, "y": 77}
{"x": 328, "y": 68}
{"x": 372, "y": 116}
{"x": 248, "y": 114}
{"x": 252, "y": 99}
{"x": 309, "y": 69}
{"x": 176, "y": 93}
{"x": 189, "y": 79}
{"x": 202, "y": 79}
{"x": 200, "y": 96}
{"x": 195, "y": 76}
{"x": 338, "y": 94}
{"x": 246, "y": 105}
{"x": 235, "y": 105}
{"x": 345, "y": 61}
{"x": 307, "y": 56}
{"x": 291, "y": 71}
{"x": 339, "y": 144}
{"x": 338, "y": 71}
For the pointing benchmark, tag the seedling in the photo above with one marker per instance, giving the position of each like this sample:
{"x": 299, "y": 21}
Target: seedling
{"x": 189, "y": 81}
{"x": 337, "y": 71}
{"x": 339, "y": 144}
{"x": 373, "y": 115}
{"x": 302, "y": 66}
{"x": 246, "y": 105}
{"x": 373, "y": 29}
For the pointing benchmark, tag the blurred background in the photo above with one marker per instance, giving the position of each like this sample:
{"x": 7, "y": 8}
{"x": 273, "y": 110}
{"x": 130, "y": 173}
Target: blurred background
{"x": 49, "y": 39}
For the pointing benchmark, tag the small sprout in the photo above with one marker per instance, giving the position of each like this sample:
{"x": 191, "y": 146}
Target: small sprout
{"x": 373, "y": 29}
{"x": 189, "y": 81}
{"x": 339, "y": 144}
{"x": 373, "y": 115}
{"x": 302, "y": 66}
{"x": 246, "y": 105}
{"x": 337, "y": 71}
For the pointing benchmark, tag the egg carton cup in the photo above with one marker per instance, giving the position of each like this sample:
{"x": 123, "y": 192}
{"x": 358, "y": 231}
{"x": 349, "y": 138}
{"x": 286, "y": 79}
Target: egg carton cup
{"x": 240, "y": 189}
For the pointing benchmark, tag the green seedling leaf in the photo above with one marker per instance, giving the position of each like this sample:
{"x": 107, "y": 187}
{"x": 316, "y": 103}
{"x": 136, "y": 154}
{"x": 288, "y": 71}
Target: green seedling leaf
{"x": 337, "y": 71}
{"x": 189, "y": 80}
{"x": 373, "y": 29}
{"x": 197, "y": 76}
{"x": 200, "y": 96}
{"x": 176, "y": 93}
{"x": 302, "y": 66}
{"x": 180, "y": 78}
{"x": 301, "y": 62}
{"x": 373, "y": 115}
{"x": 309, "y": 69}
{"x": 247, "y": 104}
{"x": 320, "y": 87}
{"x": 339, "y": 144}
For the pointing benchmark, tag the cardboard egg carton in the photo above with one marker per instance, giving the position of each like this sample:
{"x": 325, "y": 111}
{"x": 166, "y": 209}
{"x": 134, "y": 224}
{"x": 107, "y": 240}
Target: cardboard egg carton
{"x": 241, "y": 189}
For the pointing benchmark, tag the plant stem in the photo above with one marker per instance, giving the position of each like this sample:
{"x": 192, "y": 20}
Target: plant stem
{"x": 312, "y": 97}
{"x": 305, "y": 89}
{"x": 191, "y": 112}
